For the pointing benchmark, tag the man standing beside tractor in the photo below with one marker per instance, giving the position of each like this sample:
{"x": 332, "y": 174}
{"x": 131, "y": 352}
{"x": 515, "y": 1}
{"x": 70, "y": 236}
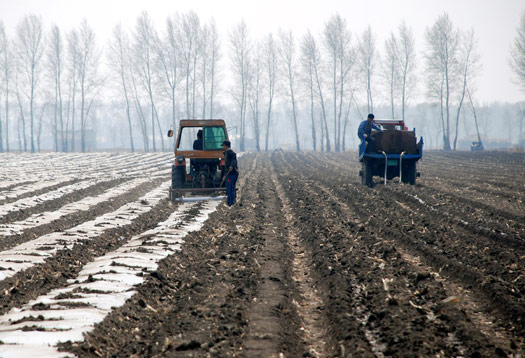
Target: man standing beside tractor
{"x": 230, "y": 159}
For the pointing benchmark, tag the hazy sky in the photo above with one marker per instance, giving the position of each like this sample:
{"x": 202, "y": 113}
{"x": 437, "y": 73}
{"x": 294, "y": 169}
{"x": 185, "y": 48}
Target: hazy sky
{"x": 495, "y": 22}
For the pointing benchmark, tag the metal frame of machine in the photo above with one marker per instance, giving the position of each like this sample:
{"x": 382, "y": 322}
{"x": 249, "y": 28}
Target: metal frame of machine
{"x": 389, "y": 165}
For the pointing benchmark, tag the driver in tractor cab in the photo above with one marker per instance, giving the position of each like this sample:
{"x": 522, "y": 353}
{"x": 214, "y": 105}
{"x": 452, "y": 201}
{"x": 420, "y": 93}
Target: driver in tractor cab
{"x": 198, "y": 144}
{"x": 365, "y": 129}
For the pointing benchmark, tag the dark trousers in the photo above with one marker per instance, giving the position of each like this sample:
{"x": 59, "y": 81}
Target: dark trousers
{"x": 231, "y": 179}
{"x": 370, "y": 145}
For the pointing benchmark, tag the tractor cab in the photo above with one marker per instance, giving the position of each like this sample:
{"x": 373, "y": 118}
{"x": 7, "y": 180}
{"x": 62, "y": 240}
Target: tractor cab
{"x": 199, "y": 157}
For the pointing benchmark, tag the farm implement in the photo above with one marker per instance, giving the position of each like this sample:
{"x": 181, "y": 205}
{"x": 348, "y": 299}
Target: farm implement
{"x": 392, "y": 152}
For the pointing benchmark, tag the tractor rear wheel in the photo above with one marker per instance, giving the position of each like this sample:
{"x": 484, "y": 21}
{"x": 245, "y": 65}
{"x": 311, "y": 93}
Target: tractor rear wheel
{"x": 177, "y": 176}
{"x": 366, "y": 177}
{"x": 411, "y": 173}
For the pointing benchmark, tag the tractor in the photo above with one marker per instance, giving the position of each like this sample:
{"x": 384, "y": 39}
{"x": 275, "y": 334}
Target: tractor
{"x": 392, "y": 152}
{"x": 199, "y": 159}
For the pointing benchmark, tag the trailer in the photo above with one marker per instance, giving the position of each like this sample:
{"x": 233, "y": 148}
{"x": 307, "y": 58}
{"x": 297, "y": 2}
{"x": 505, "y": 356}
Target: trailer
{"x": 389, "y": 153}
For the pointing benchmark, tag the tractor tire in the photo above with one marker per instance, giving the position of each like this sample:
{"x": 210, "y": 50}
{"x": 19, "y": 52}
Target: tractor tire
{"x": 411, "y": 173}
{"x": 177, "y": 176}
{"x": 366, "y": 178}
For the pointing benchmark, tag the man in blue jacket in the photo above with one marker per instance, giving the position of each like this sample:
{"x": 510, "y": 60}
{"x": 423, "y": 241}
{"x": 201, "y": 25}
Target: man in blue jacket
{"x": 232, "y": 172}
{"x": 365, "y": 128}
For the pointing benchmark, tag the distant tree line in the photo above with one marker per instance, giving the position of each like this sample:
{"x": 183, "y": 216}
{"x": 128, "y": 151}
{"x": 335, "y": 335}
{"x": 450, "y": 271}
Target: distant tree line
{"x": 52, "y": 82}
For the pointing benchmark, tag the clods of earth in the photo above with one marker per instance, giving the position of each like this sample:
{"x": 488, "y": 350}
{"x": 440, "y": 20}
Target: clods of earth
{"x": 95, "y": 261}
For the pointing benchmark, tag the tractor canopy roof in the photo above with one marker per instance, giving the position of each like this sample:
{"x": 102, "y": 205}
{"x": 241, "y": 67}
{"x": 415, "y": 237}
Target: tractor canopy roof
{"x": 202, "y": 123}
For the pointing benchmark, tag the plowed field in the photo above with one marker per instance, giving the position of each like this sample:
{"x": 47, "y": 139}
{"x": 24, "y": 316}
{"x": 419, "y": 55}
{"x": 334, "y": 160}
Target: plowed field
{"x": 96, "y": 262}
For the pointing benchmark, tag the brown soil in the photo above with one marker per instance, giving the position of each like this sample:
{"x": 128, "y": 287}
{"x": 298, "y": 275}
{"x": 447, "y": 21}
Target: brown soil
{"x": 310, "y": 263}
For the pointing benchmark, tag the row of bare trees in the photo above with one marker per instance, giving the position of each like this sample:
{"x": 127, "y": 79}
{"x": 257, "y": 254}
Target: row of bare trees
{"x": 157, "y": 68}
{"x": 173, "y": 71}
{"x": 452, "y": 64}
{"x": 146, "y": 70}
{"x": 41, "y": 70}
{"x": 330, "y": 73}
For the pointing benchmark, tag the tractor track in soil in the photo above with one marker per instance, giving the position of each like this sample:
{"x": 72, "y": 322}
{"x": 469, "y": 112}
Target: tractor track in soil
{"x": 463, "y": 253}
{"x": 308, "y": 262}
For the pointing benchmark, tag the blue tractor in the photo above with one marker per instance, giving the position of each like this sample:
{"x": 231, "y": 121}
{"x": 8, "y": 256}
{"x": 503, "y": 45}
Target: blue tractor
{"x": 392, "y": 152}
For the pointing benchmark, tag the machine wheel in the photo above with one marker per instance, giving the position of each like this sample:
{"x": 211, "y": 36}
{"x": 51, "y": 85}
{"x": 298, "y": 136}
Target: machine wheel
{"x": 411, "y": 173}
{"x": 366, "y": 177}
{"x": 177, "y": 176}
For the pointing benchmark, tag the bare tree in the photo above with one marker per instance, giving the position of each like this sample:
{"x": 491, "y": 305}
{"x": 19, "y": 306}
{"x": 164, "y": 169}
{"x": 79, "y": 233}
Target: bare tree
{"x": 254, "y": 91}
{"x": 391, "y": 70}
{"x": 215, "y": 57}
{"x": 270, "y": 69}
{"x": 367, "y": 63}
{"x": 188, "y": 35}
{"x": 168, "y": 59}
{"x": 310, "y": 56}
{"x": 118, "y": 55}
{"x": 39, "y": 124}
{"x": 21, "y": 123}
{"x": 517, "y": 59}
{"x": 145, "y": 37}
{"x": 337, "y": 40}
{"x": 407, "y": 57}
{"x": 521, "y": 123}
{"x": 72, "y": 80}
{"x": 5, "y": 77}
{"x": 311, "y": 50}
{"x": 138, "y": 108}
{"x": 30, "y": 48}
{"x": 197, "y": 52}
{"x": 88, "y": 59}
{"x": 287, "y": 54}
{"x": 55, "y": 58}
{"x": 474, "y": 113}
{"x": 442, "y": 67}
{"x": 468, "y": 62}
{"x": 241, "y": 47}
{"x": 204, "y": 53}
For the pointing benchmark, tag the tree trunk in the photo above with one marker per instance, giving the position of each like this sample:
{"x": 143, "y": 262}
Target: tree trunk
{"x": 314, "y": 139}
{"x": 32, "y": 114}
{"x": 325, "y": 121}
{"x": 268, "y": 120}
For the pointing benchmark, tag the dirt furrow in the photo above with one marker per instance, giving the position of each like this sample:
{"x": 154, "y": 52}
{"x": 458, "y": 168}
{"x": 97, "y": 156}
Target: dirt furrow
{"x": 195, "y": 304}
{"x": 78, "y": 216}
{"x": 102, "y": 285}
{"x": 265, "y": 331}
{"x": 368, "y": 217}
{"x": 503, "y": 296}
{"x": 39, "y": 271}
{"x": 513, "y": 201}
{"x": 310, "y": 305}
{"x": 308, "y": 262}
